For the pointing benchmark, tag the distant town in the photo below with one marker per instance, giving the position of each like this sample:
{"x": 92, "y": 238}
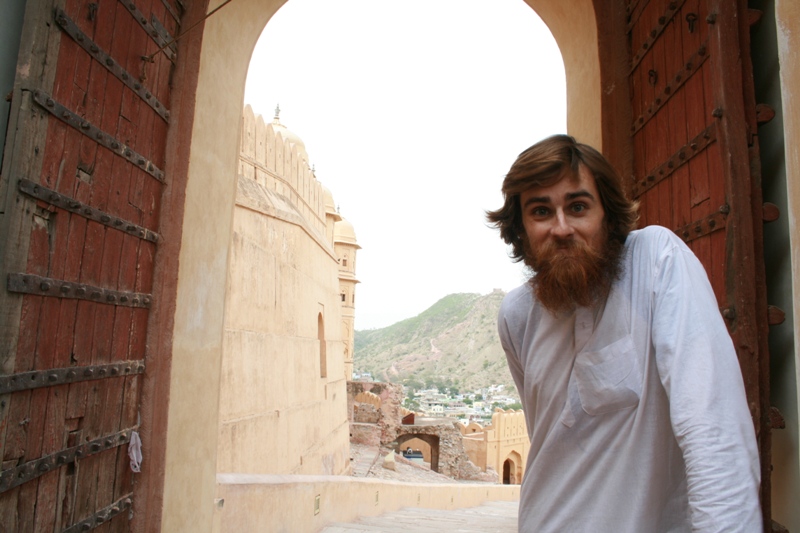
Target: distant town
{"x": 439, "y": 400}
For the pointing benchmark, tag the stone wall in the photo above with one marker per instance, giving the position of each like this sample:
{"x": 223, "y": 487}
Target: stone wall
{"x": 475, "y": 446}
{"x": 283, "y": 398}
{"x": 368, "y": 434}
{"x": 507, "y": 439}
{"x": 389, "y": 411}
{"x": 366, "y": 414}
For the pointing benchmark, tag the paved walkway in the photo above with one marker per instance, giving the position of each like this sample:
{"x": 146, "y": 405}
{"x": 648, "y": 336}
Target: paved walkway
{"x": 494, "y": 517}
{"x": 363, "y": 459}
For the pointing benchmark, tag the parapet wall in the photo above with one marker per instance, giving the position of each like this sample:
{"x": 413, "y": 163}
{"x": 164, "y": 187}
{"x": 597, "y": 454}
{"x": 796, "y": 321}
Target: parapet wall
{"x": 288, "y": 504}
{"x": 280, "y": 165}
{"x": 507, "y": 440}
{"x": 507, "y": 425}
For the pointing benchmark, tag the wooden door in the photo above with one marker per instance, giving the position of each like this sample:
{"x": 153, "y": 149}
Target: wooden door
{"x": 81, "y": 192}
{"x": 696, "y": 164}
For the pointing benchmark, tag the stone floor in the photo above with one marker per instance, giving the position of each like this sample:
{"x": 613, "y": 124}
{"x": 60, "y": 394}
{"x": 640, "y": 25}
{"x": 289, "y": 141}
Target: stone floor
{"x": 495, "y": 517}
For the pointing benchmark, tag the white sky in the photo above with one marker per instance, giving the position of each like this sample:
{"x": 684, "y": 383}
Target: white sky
{"x": 411, "y": 114}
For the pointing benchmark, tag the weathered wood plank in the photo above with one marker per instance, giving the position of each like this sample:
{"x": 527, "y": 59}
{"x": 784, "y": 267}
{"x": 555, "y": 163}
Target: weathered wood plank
{"x": 52, "y": 441}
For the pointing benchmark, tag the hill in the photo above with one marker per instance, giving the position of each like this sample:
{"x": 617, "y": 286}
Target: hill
{"x": 453, "y": 343}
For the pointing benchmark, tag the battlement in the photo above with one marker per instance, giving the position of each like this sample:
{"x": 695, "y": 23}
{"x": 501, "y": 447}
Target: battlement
{"x": 276, "y": 158}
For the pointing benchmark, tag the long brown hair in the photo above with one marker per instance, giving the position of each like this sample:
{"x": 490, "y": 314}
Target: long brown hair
{"x": 546, "y": 163}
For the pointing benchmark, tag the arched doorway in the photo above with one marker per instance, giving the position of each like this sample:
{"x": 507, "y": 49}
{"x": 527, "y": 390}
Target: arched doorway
{"x": 512, "y": 469}
{"x": 181, "y": 389}
{"x": 227, "y": 43}
{"x": 431, "y": 440}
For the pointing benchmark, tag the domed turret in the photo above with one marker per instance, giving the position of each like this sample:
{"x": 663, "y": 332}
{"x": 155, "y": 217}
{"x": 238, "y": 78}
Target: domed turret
{"x": 288, "y": 135}
{"x": 345, "y": 247}
{"x": 330, "y": 205}
{"x": 343, "y": 232}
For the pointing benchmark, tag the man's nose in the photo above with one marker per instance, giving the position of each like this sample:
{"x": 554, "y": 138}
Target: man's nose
{"x": 561, "y": 227}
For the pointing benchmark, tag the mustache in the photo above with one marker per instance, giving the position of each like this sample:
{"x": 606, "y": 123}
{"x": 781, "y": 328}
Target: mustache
{"x": 571, "y": 273}
{"x": 558, "y": 250}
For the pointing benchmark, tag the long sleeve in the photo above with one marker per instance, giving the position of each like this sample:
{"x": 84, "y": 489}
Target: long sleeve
{"x": 699, "y": 370}
{"x": 514, "y": 364}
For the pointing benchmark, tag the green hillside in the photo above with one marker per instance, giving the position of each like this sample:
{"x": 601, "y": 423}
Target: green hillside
{"x": 454, "y": 342}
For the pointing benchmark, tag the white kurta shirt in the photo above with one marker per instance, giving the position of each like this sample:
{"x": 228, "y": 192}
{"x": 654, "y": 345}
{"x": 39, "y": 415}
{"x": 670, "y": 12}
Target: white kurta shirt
{"x": 636, "y": 410}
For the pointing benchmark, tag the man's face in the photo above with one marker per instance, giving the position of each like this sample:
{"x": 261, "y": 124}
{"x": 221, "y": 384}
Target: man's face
{"x": 567, "y": 246}
{"x": 564, "y": 214}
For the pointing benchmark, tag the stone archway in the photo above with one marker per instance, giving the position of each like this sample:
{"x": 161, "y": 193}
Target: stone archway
{"x": 512, "y": 469}
{"x": 430, "y": 440}
{"x": 228, "y": 39}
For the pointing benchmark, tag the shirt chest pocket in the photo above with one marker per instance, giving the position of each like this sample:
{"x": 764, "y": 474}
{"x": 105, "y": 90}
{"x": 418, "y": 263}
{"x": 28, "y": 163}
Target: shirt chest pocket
{"x": 610, "y": 379}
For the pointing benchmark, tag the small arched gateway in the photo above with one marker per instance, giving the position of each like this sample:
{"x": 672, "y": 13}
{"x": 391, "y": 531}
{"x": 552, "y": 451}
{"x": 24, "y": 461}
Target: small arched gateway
{"x": 430, "y": 440}
{"x": 512, "y": 469}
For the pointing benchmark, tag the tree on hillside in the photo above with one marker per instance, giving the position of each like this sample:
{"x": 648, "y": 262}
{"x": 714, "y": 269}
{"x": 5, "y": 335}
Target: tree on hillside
{"x": 413, "y": 384}
{"x": 411, "y": 405}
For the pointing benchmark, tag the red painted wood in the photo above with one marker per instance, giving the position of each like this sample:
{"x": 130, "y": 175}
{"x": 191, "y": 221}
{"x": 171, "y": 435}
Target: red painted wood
{"x": 66, "y": 332}
{"x": 52, "y": 441}
{"x": 104, "y": 24}
{"x": 675, "y": 110}
{"x": 17, "y": 422}
{"x": 56, "y": 333}
{"x": 46, "y": 494}
{"x": 51, "y": 160}
{"x": 720, "y": 175}
{"x": 46, "y": 336}
{"x": 74, "y": 246}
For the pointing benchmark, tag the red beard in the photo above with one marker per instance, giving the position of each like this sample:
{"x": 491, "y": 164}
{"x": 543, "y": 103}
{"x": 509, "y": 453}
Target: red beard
{"x": 570, "y": 273}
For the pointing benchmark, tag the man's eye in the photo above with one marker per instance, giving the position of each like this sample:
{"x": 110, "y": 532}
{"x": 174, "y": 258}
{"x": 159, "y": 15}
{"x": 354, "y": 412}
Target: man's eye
{"x": 540, "y": 211}
{"x": 577, "y": 208}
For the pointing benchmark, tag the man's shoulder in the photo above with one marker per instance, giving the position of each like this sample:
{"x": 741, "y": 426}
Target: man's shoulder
{"x": 517, "y": 313}
{"x": 652, "y": 240}
{"x": 518, "y": 301}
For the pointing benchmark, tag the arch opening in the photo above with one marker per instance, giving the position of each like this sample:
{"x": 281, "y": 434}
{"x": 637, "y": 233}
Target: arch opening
{"x": 432, "y": 442}
{"x": 512, "y": 469}
{"x": 198, "y": 330}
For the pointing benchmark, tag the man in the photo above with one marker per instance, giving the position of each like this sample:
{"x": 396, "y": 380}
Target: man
{"x": 632, "y": 392}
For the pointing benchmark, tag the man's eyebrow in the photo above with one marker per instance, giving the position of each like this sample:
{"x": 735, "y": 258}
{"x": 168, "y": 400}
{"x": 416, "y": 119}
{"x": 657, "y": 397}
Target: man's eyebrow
{"x": 583, "y": 193}
{"x": 537, "y": 200}
{"x": 580, "y": 194}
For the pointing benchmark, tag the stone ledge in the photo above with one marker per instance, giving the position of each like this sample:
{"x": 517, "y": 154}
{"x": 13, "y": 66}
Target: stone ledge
{"x": 307, "y": 503}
